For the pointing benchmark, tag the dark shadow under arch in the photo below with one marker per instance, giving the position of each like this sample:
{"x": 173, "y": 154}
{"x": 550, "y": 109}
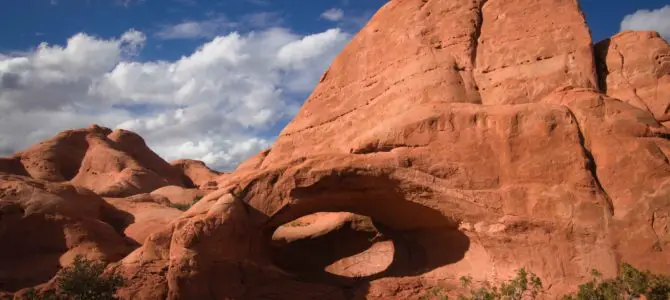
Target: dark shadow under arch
{"x": 423, "y": 238}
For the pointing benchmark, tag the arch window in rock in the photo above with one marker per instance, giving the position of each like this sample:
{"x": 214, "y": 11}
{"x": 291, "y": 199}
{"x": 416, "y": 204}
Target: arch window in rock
{"x": 337, "y": 234}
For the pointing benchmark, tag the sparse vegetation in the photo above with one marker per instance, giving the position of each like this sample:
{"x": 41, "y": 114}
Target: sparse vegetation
{"x": 180, "y": 206}
{"x": 185, "y": 207}
{"x": 629, "y": 285}
{"x": 524, "y": 286}
{"x": 436, "y": 293}
{"x": 84, "y": 280}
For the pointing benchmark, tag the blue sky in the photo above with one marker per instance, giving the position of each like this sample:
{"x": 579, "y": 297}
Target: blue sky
{"x": 202, "y": 79}
{"x": 26, "y": 23}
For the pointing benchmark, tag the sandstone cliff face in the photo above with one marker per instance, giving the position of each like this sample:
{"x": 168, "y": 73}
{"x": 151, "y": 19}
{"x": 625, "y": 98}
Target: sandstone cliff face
{"x": 527, "y": 49}
{"x": 450, "y": 138}
{"x": 478, "y": 138}
{"x": 481, "y": 52}
{"x": 635, "y": 67}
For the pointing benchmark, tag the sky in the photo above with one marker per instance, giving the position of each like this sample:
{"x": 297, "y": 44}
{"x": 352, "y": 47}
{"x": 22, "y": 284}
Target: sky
{"x": 202, "y": 79}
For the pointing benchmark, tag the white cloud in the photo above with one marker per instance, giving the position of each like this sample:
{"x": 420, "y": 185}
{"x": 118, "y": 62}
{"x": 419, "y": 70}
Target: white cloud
{"x": 219, "y": 24}
{"x": 220, "y": 104}
{"x": 196, "y": 29}
{"x": 304, "y": 56}
{"x": 644, "y": 19}
{"x": 52, "y": 77}
{"x": 261, "y": 20}
{"x": 333, "y": 14}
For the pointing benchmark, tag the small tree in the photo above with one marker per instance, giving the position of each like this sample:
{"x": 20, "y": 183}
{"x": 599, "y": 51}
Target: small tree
{"x": 84, "y": 280}
{"x": 630, "y": 284}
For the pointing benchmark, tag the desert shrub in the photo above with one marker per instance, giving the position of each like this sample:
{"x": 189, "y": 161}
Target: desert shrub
{"x": 185, "y": 207}
{"x": 523, "y": 286}
{"x": 84, "y": 280}
{"x": 435, "y": 293}
{"x": 630, "y": 284}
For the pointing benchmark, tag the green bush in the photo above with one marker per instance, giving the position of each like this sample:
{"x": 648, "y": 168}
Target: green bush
{"x": 84, "y": 280}
{"x": 630, "y": 284}
{"x": 523, "y": 286}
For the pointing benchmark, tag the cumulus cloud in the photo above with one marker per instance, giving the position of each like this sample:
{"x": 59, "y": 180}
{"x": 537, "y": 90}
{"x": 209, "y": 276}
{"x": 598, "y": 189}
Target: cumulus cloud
{"x": 52, "y": 77}
{"x": 645, "y": 19}
{"x": 221, "y": 104}
{"x": 333, "y": 14}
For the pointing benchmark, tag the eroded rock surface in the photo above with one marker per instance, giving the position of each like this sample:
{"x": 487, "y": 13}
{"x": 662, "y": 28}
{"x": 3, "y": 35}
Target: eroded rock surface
{"x": 196, "y": 173}
{"x": 635, "y": 67}
{"x": 44, "y": 225}
{"x": 141, "y": 215}
{"x": 110, "y": 163}
{"x": 528, "y": 48}
{"x": 450, "y": 138}
{"x": 477, "y": 139}
{"x": 51, "y": 208}
{"x": 180, "y": 195}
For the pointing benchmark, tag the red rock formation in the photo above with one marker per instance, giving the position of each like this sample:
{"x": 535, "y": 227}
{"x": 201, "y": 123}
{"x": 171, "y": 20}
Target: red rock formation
{"x": 44, "y": 225}
{"x": 468, "y": 138}
{"x": 564, "y": 180}
{"x": 196, "y": 172}
{"x": 110, "y": 163}
{"x": 312, "y": 245}
{"x": 213, "y": 252}
{"x": 142, "y": 215}
{"x": 179, "y": 195}
{"x": 635, "y": 67}
{"x": 58, "y": 213}
{"x": 528, "y": 48}
{"x": 252, "y": 163}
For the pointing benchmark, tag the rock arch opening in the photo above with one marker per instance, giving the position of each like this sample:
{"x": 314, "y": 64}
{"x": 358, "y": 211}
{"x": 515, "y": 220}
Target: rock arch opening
{"x": 350, "y": 229}
{"x": 332, "y": 247}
